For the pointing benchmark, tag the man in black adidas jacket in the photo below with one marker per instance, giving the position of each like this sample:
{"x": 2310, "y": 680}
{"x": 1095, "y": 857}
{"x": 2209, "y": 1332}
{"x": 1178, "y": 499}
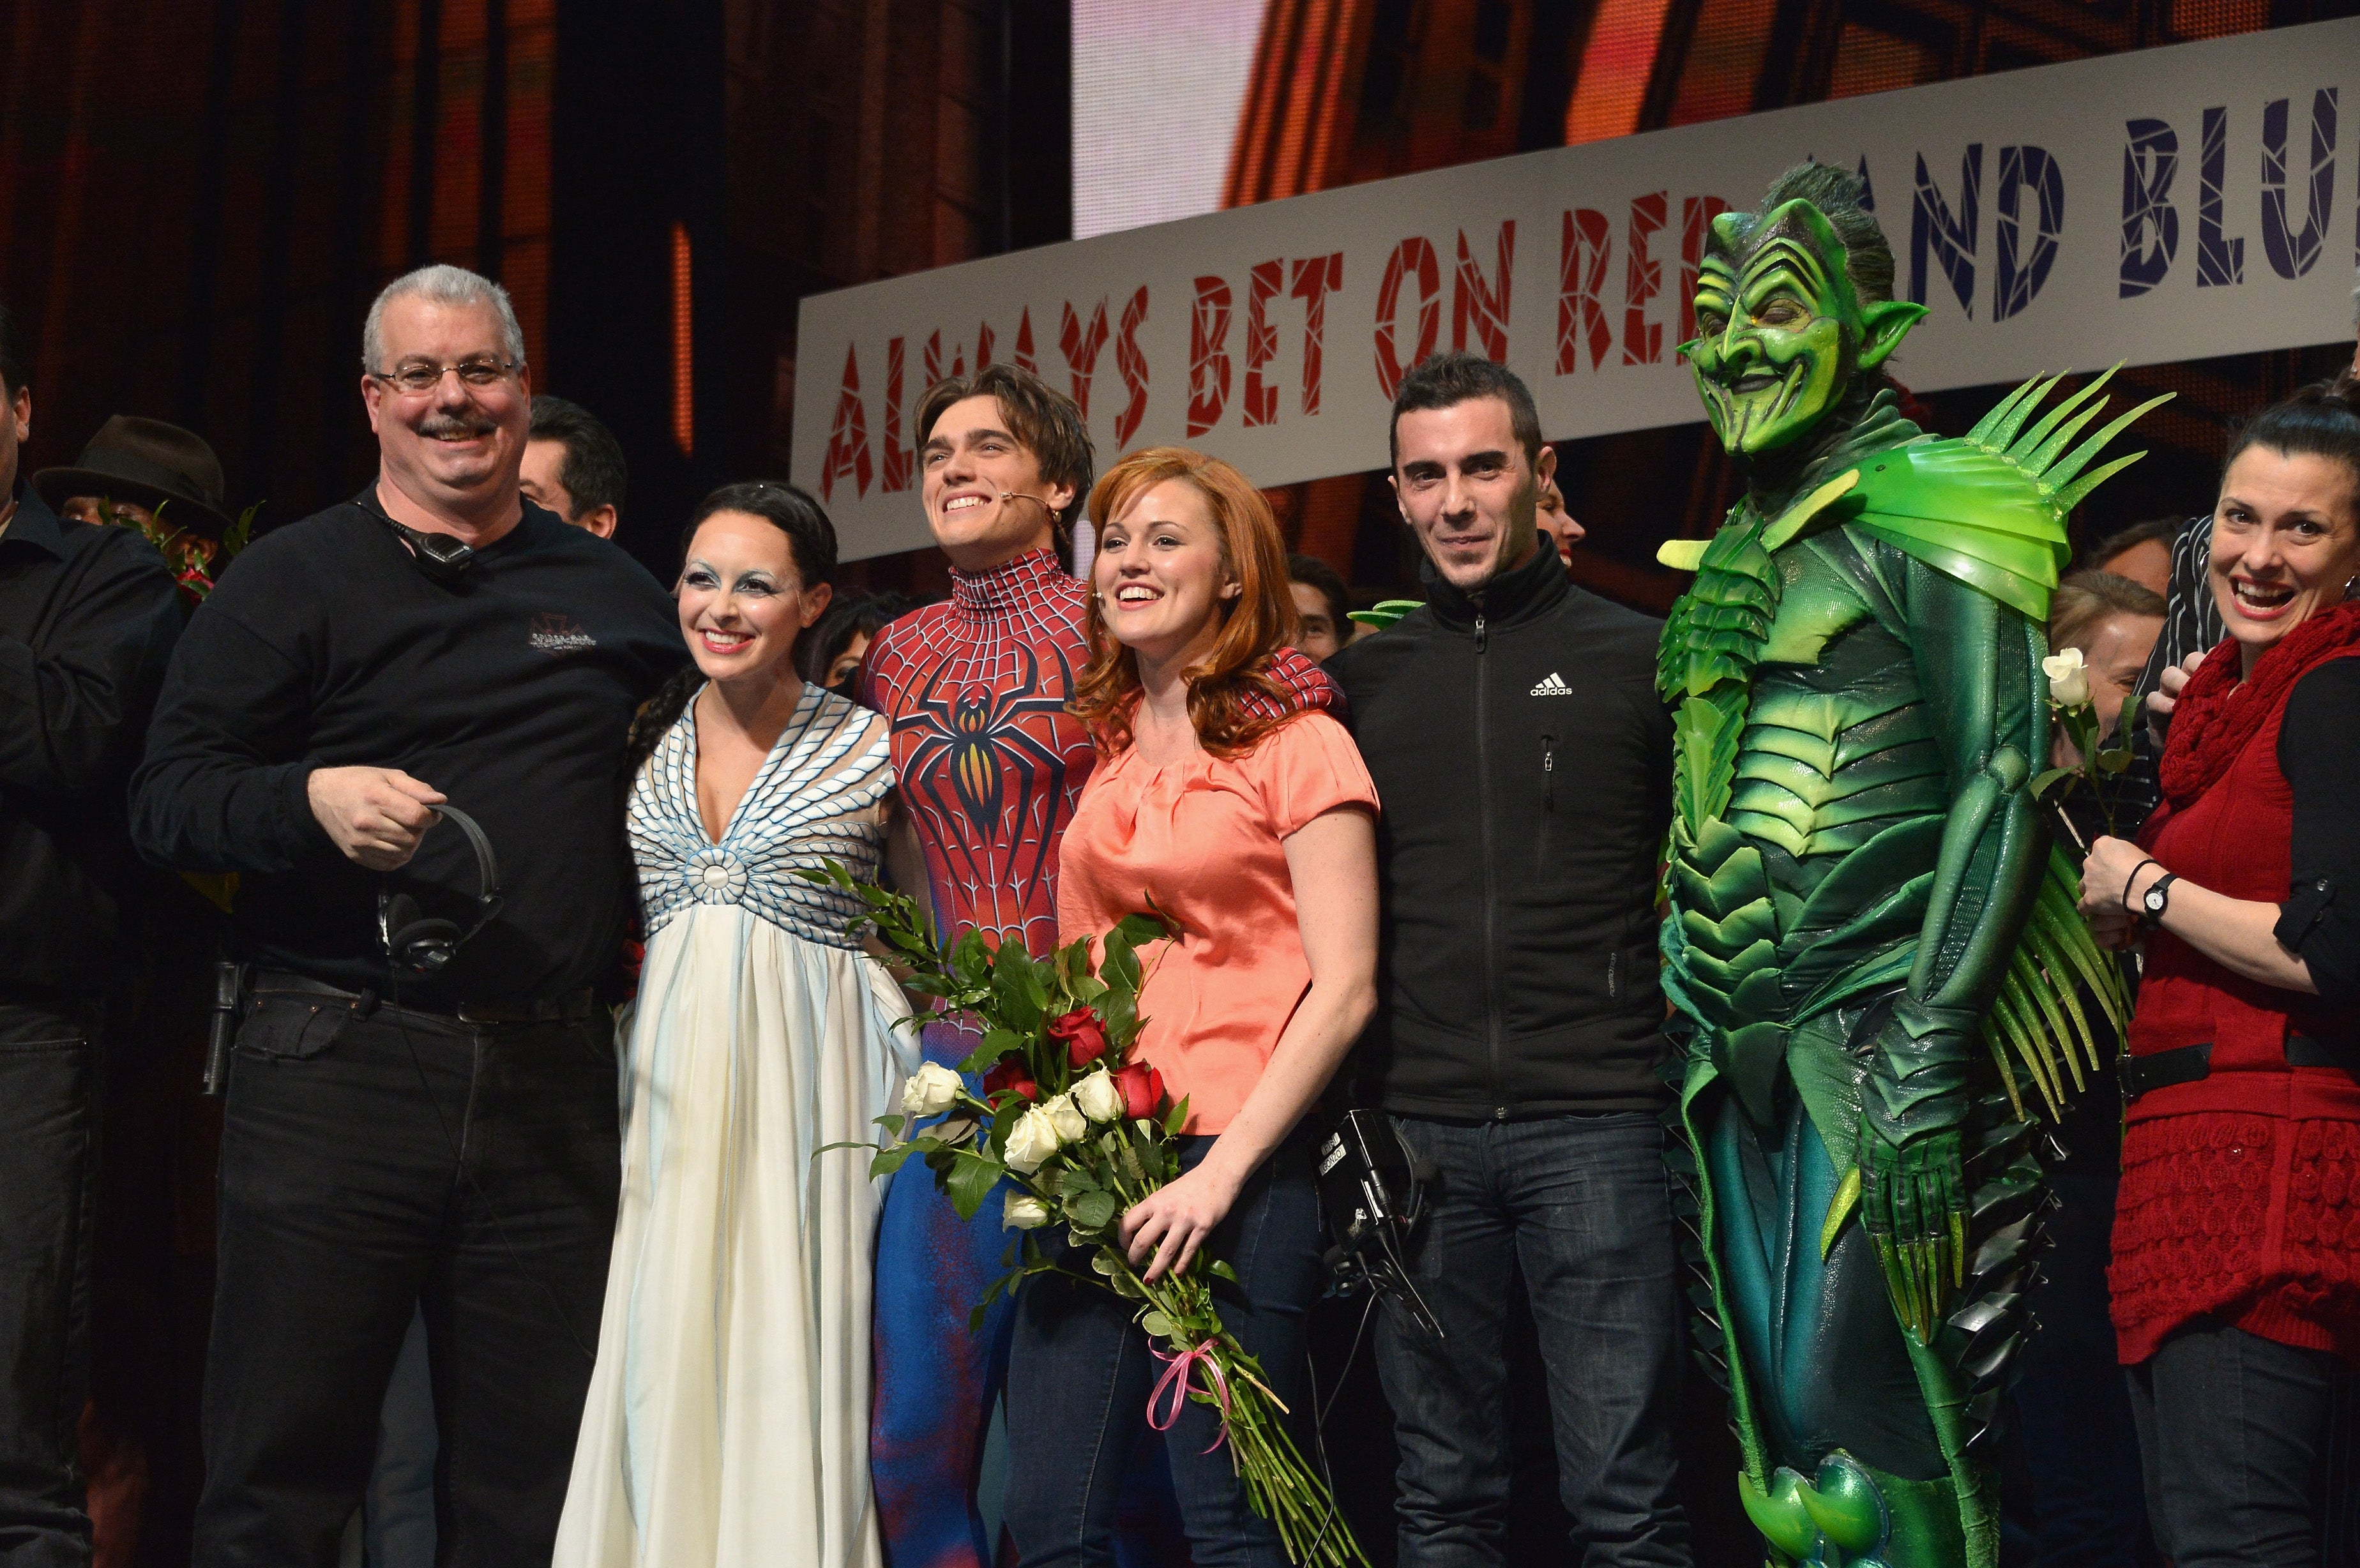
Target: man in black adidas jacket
{"x": 1513, "y": 730}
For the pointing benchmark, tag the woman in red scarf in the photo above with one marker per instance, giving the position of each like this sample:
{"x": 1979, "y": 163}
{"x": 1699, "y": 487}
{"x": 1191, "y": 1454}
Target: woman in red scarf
{"x": 2236, "y": 1267}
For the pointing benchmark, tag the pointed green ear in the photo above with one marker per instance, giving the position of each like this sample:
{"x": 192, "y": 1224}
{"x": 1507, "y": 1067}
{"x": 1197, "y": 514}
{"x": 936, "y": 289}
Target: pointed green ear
{"x": 1881, "y": 328}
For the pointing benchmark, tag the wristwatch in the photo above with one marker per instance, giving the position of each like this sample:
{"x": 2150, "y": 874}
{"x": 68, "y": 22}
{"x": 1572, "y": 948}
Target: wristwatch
{"x": 2157, "y": 898}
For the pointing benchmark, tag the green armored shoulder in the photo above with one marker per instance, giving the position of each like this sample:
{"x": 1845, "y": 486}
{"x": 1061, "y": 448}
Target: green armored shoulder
{"x": 1989, "y": 508}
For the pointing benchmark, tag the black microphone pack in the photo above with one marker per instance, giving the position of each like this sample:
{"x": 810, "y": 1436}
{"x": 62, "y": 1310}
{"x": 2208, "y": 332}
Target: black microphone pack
{"x": 1373, "y": 1189}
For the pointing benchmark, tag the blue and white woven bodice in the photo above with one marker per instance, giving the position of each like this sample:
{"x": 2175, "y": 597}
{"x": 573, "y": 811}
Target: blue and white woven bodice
{"x": 812, "y": 802}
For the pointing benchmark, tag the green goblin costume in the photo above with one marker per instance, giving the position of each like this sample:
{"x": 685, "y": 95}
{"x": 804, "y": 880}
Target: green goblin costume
{"x": 1869, "y": 936}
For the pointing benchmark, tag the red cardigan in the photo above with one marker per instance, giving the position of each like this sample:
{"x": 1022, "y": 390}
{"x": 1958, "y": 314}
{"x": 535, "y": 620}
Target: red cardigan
{"x": 2240, "y": 1193}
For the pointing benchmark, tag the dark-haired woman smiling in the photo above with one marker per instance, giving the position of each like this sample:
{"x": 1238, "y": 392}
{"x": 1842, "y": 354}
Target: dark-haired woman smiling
{"x": 2236, "y": 1270}
{"x": 728, "y": 1419}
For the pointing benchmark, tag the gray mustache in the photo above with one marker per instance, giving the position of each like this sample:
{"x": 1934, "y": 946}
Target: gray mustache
{"x": 440, "y": 425}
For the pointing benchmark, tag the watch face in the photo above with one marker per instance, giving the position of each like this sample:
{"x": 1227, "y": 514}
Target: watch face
{"x": 2154, "y": 900}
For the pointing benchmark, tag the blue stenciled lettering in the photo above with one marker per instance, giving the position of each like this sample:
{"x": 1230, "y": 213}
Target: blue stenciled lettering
{"x": 2219, "y": 260}
{"x": 2150, "y": 222}
{"x": 2292, "y": 255}
{"x": 2024, "y": 261}
{"x": 1952, "y": 240}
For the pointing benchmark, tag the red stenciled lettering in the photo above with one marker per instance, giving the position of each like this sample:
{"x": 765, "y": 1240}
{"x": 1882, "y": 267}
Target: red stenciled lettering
{"x": 1132, "y": 365}
{"x": 1697, "y": 214}
{"x": 1475, "y": 302}
{"x": 1642, "y": 279}
{"x": 1582, "y": 255}
{"x": 982, "y": 344}
{"x": 847, "y": 439}
{"x": 1262, "y": 342}
{"x": 1413, "y": 253}
{"x": 1024, "y": 357}
{"x": 1209, "y": 355}
{"x": 1315, "y": 278}
{"x": 1081, "y": 345}
{"x": 900, "y": 462}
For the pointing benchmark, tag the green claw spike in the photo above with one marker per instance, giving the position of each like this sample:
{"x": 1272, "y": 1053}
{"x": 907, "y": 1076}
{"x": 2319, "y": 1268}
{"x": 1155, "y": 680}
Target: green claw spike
{"x": 2056, "y": 476}
{"x": 1779, "y": 1513}
{"x": 1845, "y": 1503}
{"x": 2007, "y": 1073}
{"x": 1986, "y": 431}
{"x": 2020, "y": 450}
{"x": 1847, "y": 1198}
{"x": 1958, "y": 1249}
{"x": 2002, "y": 434}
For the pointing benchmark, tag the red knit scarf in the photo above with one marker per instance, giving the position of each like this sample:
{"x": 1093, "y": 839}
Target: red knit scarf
{"x": 2218, "y": 714}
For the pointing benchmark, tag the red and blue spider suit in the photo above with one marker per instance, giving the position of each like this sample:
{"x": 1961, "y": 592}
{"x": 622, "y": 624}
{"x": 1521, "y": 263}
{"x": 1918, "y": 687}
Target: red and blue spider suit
{"x": 990, "y": 764}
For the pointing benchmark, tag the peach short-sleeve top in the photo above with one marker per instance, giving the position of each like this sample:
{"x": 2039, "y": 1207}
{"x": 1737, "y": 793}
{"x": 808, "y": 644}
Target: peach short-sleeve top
{"x": 1205, "y": 838}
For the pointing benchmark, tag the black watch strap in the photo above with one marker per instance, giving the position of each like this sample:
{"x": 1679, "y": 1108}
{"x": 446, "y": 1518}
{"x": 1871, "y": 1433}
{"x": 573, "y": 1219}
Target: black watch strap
{"x": 2157, "y": 900}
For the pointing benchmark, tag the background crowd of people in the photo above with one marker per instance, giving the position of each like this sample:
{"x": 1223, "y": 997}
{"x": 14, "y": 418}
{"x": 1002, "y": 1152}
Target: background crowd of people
{"x": 453, "y": 779}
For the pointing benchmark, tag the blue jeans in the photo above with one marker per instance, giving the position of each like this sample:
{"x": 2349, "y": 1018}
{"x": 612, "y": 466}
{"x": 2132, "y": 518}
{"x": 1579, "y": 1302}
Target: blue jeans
{"x": 1579, "y": 1203}
{"x": 1079, "y": 1375}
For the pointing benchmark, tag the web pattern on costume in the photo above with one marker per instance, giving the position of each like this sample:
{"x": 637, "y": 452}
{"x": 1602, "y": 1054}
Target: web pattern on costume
{"x": 812, "y": 801}
{"x": 989, "y": 761}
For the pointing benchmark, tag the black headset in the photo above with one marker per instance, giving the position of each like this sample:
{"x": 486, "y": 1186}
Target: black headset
{"x": 419, "y": 948}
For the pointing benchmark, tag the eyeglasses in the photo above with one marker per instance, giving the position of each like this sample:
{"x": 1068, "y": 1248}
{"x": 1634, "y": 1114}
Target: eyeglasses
{"x": 415, "y": 379}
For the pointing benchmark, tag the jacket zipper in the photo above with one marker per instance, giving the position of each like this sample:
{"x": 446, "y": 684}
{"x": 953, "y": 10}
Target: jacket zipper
{"x": 1548, "y": 795}
{"x": 1490, "y": 909}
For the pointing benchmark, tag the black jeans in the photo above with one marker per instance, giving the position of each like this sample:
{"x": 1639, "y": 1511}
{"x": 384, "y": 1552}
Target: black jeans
{"x": 49, "y": 1174}
{"x": 2232, "y": 1434}
{"x": 1079, "y": 1374}
{"x": 371, "y": 1165}
{"x": 1579, "y": 1203}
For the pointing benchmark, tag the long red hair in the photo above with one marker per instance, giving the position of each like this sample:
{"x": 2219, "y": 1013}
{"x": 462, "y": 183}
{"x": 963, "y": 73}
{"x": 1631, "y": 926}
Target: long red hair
{"x": 1222, "y": 691}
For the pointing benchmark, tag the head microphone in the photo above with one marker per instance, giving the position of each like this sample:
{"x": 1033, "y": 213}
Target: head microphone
{"x": 1008, "y": 495}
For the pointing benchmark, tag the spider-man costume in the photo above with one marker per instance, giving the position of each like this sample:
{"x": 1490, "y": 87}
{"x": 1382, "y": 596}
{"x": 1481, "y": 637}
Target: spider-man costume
{"x": 990, "y": 764}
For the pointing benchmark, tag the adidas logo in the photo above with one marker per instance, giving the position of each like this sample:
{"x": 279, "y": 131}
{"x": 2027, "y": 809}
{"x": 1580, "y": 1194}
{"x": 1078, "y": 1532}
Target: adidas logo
{"x": 1554, "y": 686}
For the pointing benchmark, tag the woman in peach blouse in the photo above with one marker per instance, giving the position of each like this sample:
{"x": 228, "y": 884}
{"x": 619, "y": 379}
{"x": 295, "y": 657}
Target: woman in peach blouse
{"x": 1225, "y": 796}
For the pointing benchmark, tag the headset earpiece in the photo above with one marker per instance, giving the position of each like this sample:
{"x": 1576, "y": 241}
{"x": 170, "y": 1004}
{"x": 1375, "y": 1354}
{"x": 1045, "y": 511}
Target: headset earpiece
{"x": 422, "y": 947}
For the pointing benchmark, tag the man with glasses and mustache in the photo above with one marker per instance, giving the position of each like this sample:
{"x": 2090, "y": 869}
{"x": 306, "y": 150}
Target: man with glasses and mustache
{"x": 398, "y": 1136}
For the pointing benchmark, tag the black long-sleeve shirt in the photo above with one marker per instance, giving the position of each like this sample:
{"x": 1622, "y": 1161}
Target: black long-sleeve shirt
{"x": 2318, "y": 752}
{"x": 88, "y": 617}
{"x": 509, "y": 691}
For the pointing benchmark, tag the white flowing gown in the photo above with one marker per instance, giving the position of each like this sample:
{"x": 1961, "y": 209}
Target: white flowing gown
{"x": 728, "y": 1419}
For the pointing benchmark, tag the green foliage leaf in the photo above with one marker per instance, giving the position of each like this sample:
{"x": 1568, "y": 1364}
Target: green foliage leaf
{"x": 996, "y": 1044}
{"x": 969, "y": 1181}
{"x": 1177, "y": 1118}
{"x": 1156, "y": 1324}
{"x": 1017, "y": 991}
{"x": 1221, "y": 1270}
{"x": 889, "y": 1160}
{"x": 1094, "y": 1210}
{"x": 2045, "y": 781}
{"x": 2114, "y": 760}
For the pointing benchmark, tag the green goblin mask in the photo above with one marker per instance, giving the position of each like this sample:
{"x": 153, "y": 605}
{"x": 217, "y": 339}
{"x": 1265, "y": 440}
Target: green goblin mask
{"x": 1780, "y": 333}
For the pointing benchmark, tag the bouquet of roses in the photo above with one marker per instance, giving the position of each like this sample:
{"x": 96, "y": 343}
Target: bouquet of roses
{"x": 1079, "y": 1132}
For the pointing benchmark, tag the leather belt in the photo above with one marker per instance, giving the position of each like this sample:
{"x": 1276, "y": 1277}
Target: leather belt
{"x": 570, "y": 1007}
{"x": 2193, "y": 1065}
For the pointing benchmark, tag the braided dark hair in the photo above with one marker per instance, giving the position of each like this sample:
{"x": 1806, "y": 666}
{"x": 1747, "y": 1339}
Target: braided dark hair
{"x": 811, "y": 544}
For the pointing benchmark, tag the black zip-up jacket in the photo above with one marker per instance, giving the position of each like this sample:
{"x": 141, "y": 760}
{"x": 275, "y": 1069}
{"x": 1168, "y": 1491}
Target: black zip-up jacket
{"x": 1524, "y": 764}
{"x": 88, "y": 617}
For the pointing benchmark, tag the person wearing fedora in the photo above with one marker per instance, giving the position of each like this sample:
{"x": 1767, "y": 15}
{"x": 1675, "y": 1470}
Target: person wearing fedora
{"x": 88, "y": 619}
{"x": 164, "y": 480}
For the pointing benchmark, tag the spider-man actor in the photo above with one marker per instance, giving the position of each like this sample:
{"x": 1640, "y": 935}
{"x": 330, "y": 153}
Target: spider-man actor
{"x": 990, "y": 764}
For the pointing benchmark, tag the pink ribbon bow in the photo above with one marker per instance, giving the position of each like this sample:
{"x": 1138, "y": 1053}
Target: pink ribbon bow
{"x": 1173, "y": 1389}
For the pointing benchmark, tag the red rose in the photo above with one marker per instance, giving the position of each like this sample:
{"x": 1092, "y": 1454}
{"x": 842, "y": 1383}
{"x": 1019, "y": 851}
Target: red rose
{"x": 1085, "y": 1037}
{"x": 1009, "y": 1072}
{"x": 1142, "y": 1090}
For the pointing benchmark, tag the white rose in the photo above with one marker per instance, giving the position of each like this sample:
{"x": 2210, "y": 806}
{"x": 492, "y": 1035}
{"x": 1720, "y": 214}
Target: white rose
{"x": 1030, "y": 1141}
{"x": 929, "y": 1091}
{"x": 2068, "y": 677}
{"x": 1098, "y": 1098}
{"x": 1023, "y": 1212}
{"x": 1067, "y": 1117}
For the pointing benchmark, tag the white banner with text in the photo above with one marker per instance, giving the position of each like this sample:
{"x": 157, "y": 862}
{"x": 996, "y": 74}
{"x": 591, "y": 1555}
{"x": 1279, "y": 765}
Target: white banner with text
{"x": 2166, "y": 204}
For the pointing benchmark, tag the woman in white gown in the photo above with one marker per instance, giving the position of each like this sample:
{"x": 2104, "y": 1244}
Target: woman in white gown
{"x": 727, "y": 1421}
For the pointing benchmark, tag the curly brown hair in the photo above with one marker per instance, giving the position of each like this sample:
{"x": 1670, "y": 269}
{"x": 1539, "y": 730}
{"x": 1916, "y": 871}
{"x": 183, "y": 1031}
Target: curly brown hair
{"x": 1233, "y": 702}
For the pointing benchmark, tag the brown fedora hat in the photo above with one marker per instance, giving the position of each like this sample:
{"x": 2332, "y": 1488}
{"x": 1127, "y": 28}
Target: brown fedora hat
{"x": 145, "y": 462}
